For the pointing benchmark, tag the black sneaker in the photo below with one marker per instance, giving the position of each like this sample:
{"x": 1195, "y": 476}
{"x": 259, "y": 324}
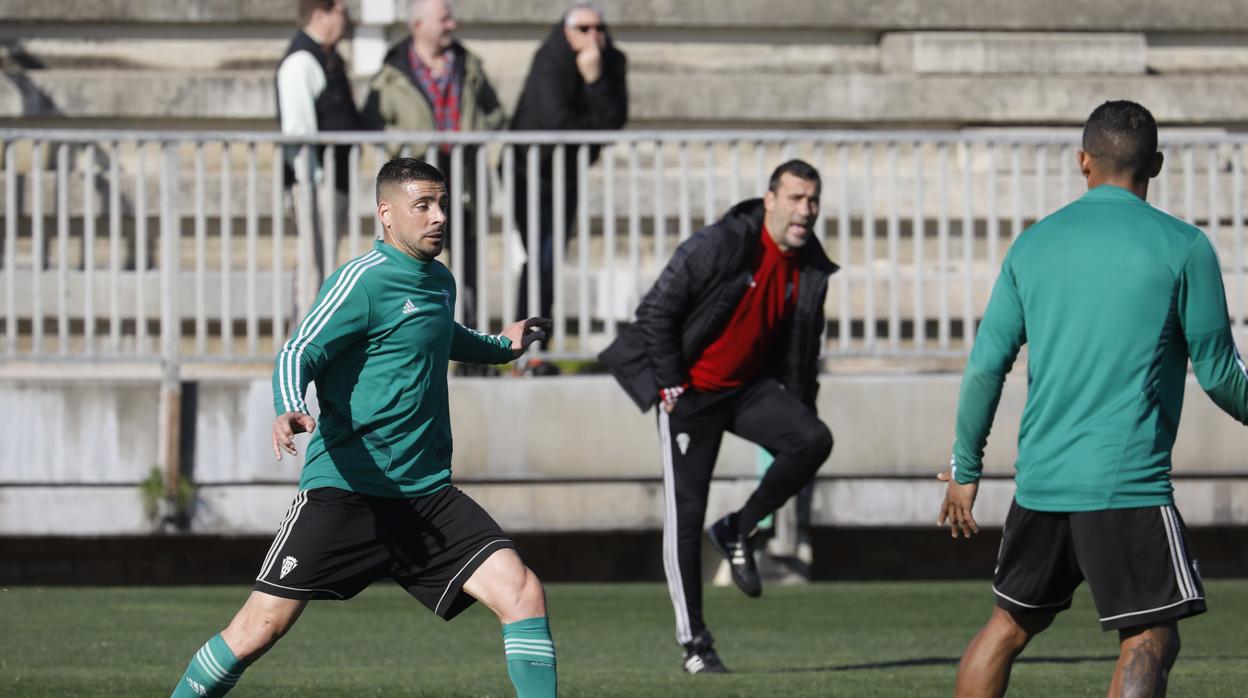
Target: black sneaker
{"x": 735, "y": 546}
{"x": 700, "y": 656}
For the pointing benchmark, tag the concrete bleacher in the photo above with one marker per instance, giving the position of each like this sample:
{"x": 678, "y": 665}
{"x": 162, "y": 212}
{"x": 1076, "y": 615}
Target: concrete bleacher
{"x": 590, "y": 459}
{"x": 737, "y": 63}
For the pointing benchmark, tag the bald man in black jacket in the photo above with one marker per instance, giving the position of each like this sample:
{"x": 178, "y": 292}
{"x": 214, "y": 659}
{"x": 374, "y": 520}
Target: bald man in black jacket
{"x": 576, "y": 83}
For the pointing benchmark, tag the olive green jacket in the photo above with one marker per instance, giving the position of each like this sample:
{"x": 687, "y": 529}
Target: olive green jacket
{"x": 396, "y": 103}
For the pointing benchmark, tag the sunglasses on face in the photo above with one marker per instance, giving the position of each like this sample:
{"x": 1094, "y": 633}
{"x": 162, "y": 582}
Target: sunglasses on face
{"x": 585, "y": 28}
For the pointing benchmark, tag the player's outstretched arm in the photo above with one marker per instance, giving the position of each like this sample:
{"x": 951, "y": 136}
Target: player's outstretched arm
{"x": 284, "y": 429}
{"x": 958, "y": 505}
{"x": 1207, "y": 328}
{"x": 470, "y": 346}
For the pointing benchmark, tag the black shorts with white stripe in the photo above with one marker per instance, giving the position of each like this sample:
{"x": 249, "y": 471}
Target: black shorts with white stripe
{"x": 334, "y": 543}
{"x": 1136, "y": 561}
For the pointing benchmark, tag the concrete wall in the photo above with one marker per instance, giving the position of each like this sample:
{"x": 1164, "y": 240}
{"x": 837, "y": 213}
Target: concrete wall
{"x": 541, "y": 454}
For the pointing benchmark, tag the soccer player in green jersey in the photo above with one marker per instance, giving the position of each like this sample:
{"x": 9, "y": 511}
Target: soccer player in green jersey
{"x": 1112, "y": 297}
{"x": 375, "y": 496}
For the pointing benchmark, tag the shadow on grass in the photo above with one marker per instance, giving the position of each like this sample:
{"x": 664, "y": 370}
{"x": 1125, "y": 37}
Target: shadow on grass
{"x": 932, "y": 661}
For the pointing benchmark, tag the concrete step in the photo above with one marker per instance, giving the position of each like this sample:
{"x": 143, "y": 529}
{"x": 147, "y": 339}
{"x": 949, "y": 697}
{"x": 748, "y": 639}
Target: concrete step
{"x": 813, "y": 15}
{"x": 692, "y": 99}
{"x": 1016, "y": 53}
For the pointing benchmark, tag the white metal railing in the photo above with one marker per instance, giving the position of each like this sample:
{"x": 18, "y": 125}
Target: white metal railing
{"x": 183, "y": 246}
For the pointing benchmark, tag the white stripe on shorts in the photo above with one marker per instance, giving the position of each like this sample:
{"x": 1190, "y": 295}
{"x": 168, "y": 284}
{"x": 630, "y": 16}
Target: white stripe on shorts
{"x": 283, "y": 532}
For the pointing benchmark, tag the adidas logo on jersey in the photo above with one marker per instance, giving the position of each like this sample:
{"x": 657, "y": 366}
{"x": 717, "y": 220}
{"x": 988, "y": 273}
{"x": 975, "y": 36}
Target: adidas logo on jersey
{"x": 287, "y": 565}
{"x": 409, "y": 307}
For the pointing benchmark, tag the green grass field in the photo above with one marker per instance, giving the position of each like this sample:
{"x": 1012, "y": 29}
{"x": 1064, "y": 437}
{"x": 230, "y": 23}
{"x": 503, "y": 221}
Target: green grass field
{"x": 836, "y": 639}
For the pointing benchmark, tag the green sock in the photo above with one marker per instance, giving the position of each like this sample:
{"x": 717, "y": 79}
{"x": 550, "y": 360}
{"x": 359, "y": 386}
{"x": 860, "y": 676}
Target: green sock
{"x": 213, "y": 671}
{"x": 530, "y": 657}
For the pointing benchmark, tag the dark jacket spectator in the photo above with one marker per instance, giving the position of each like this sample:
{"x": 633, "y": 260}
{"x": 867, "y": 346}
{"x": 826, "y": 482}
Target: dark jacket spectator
{"x": 576, "y": 83}
{"x": 313, "y": 90}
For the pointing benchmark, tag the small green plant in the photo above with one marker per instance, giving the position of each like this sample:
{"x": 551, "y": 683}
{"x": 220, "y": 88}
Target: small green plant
{"x": 163, "y": 509}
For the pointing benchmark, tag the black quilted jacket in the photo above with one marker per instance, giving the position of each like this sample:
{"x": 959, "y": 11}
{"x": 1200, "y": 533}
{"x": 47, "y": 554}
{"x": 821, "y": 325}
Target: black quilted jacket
{"x": 694, "y": 298}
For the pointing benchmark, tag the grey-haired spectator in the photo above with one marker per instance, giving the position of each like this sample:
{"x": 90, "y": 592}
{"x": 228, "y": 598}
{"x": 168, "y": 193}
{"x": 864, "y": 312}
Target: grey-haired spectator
{"x": 430, "y": 82}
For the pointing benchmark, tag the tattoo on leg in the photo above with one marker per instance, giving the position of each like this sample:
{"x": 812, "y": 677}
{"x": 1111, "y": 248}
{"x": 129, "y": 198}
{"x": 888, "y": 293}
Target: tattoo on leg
{"x": 1148, "y": 663}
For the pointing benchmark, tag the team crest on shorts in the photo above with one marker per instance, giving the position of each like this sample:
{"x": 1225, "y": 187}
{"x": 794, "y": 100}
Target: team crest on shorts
{"x": 287, "y": 565}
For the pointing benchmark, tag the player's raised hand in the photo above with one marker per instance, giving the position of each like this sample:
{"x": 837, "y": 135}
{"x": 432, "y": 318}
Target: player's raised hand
{"x": 284, "y": 429}
{"x": 956, "y": 509}
{"x": 525, "y": 332}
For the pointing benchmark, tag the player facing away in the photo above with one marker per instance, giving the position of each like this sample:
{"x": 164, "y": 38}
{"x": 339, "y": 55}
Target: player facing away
{"x": 375, "y": 496}
{"x": 1112, "y": 297}
{"x": 728, "y": 339}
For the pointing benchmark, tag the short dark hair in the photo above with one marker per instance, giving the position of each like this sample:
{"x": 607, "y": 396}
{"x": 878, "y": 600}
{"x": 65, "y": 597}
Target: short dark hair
{"x": 1122, "y": 137}
{"x": 798, "y": 168}
{"x": 403, "y": 170}
{"x": 305, "y": 8}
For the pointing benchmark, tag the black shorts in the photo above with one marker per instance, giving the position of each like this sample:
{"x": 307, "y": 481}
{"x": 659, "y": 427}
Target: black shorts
{"x": 1136, "y": 561}
{"x": 334, "y": 543}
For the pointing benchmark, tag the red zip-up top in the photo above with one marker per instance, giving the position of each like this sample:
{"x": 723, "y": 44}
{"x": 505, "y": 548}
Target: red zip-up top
{"x": 737, "y": 356}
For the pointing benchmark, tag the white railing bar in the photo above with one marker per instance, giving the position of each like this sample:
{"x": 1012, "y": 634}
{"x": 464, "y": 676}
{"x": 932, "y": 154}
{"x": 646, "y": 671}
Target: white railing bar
{"x": 533, "y": 236}
{"x": 62, "y": 246}
{"x": 353, "y": 201}
{"x": 226, "y": 230}
{"x": 1163, "y": 184}
{"x": 845, "y": 320}
{"x": 252, "y": 321}
{"x": 201, "y": 254}
{"x": 1016, "y": 192}
{"x": 10, "y": 246}
{"x": 868, "y": 242}
{"x": 686, "y": 216}
{"x": 968, "y": 252}
{"x": 114, "y": 247}
{"x": 894, "y": 252}
{"x": 327, "y": 210}
{"x": 88, "y": 248}
{"x": 458, "y": 248}
{"x": 1237, "y": 239}
{"x": 634, "y": 224}
{"x": 170, "y": 325}
{"x": 582, "y": 246}
{"x": 277, "y": 220}
{"x": 994, "y": 220}
{"x": 608, "y": 237}
{"x": 708, "y": 193}
{"x": 660, "y": 204}
{"x": 560, "y": 236}
{"x": 942, "y": 247}
{"x": 140, "y": 244}
{"x": 38, "y": 242}
{"x": 919, "y": 233}
{"x": 508, "y": 307}
{"x": 481, "y": 209}
{"x": 1189, "y": 185}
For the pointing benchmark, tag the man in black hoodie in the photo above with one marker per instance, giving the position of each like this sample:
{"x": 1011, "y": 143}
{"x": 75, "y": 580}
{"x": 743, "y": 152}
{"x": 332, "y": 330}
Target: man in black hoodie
{"x": 728, "y": 339}
{"x": 576, "y": 83}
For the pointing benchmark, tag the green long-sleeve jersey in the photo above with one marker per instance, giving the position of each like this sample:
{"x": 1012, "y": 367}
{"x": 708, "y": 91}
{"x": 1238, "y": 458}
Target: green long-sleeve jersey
{"x": 1112, "y": 297}
{"x": 377, "y": 342}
